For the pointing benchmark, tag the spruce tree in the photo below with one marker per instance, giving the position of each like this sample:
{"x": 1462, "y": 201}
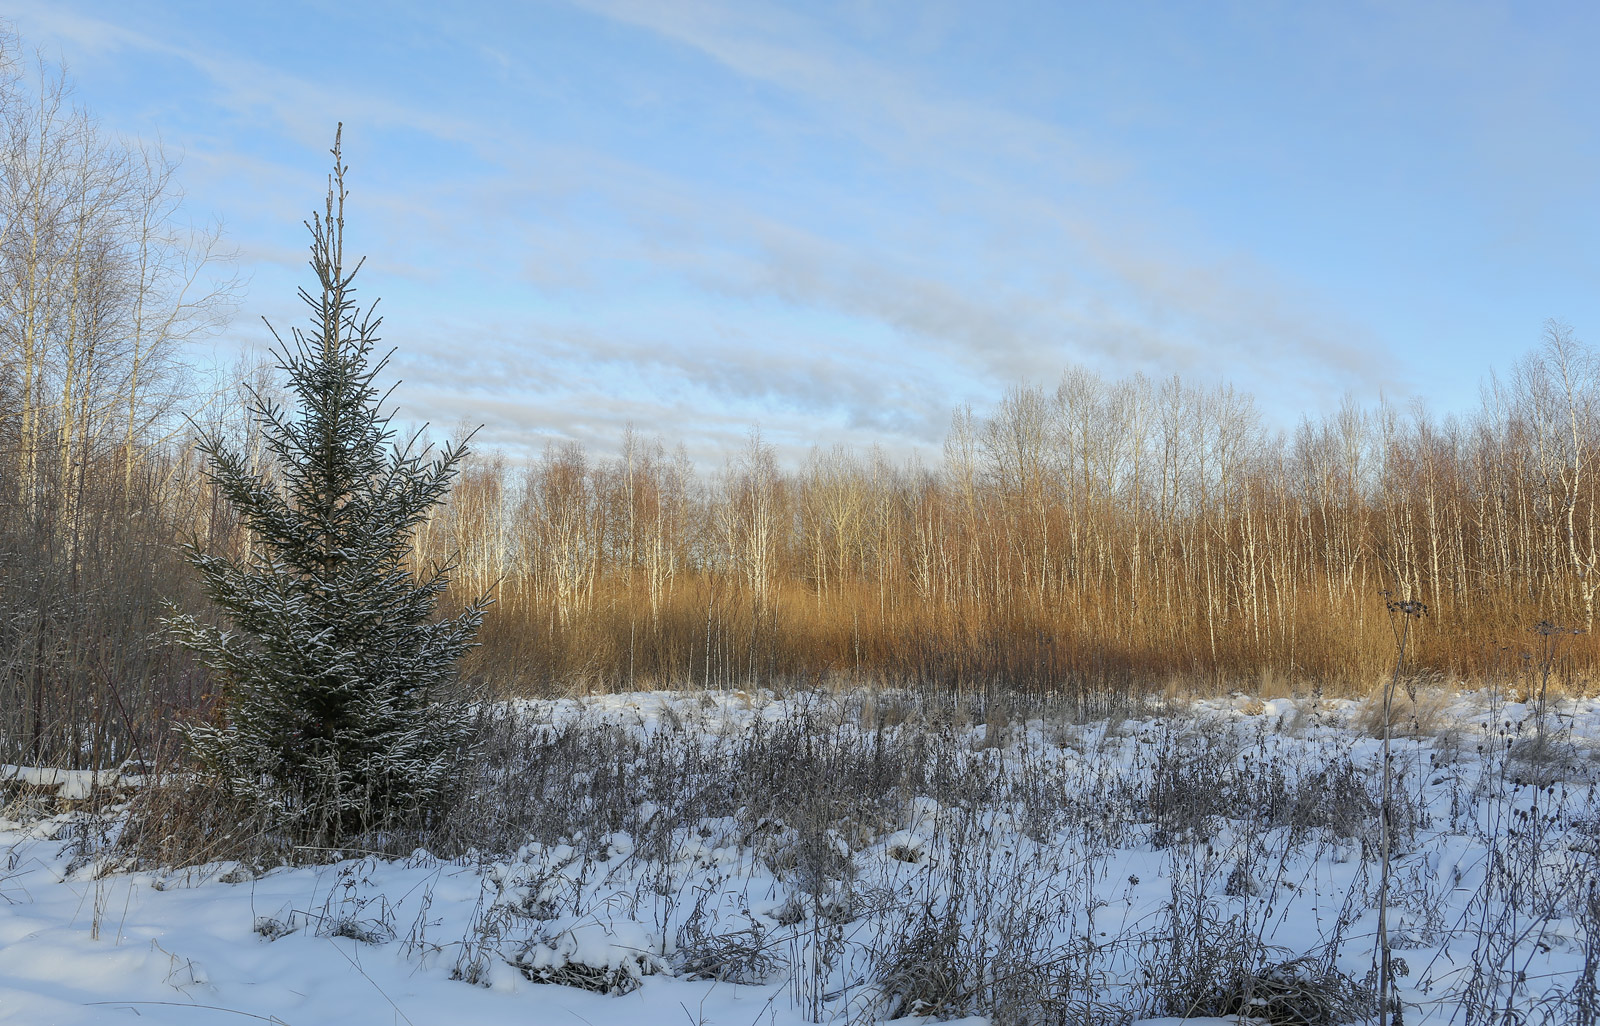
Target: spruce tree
{"x": 334, "y": 667}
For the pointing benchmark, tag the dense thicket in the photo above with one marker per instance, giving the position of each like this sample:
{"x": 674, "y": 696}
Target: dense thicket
{"x": 1101, "y": 534}
{"x": 101, "y": 283}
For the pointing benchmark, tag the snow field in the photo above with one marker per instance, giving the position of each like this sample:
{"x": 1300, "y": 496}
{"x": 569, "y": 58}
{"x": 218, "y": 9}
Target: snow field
{"x": 850, "y": 858}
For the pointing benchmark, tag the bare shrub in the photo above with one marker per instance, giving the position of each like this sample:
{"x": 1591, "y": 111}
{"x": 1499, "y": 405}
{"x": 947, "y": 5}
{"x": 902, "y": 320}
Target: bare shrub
{"x": 925, "y": 972}
{"x": 1192, "y": 783}
{"x": 349, "y": 912}
{"x": 732, "y": 956}
{"x": 1302, "y": 991}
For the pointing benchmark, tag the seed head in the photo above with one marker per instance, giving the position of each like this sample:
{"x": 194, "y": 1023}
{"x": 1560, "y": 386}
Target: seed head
{"x": 1408, "y": 607}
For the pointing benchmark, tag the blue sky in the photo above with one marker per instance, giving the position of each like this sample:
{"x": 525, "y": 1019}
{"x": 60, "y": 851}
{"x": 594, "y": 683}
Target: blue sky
{"x": 840, "y": 220}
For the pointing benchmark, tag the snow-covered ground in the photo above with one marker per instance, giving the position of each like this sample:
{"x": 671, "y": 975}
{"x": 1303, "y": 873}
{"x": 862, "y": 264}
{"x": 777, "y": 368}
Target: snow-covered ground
{"x": 911, "y": 860}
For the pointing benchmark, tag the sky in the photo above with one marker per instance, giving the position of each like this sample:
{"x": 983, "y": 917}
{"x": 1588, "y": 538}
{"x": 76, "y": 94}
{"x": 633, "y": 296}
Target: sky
{"x": 839, "y": 221}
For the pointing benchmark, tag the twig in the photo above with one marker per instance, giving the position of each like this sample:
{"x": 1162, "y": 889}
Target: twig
{"x": 185, "y": 1004}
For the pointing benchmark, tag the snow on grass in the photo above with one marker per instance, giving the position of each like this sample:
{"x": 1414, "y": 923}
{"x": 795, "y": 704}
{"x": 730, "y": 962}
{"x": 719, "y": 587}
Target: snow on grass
{"x": 729, "y": 858}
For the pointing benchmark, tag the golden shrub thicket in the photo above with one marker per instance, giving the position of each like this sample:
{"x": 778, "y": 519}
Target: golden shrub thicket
{"x": 1105, "y": 534}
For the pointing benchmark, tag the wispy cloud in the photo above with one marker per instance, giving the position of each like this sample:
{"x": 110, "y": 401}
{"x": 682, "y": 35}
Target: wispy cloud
{"x": 722, "y": 212}
{"x": 1174, "y": 309}
{"x": 249, "y": 88}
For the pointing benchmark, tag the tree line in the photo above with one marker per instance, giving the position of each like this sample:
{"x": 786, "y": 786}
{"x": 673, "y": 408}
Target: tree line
{"x": 103, "y": 282}
{"x": 1103, "y": 533}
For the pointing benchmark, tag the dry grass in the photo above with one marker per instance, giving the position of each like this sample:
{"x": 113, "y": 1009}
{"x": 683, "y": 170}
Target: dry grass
{"x": 702, "y": 632}
{"x": 1419, "y": 708}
